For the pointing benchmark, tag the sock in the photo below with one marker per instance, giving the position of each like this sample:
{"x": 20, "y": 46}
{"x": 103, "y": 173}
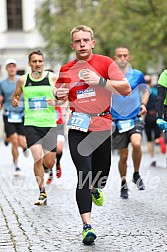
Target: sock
{"x": 58, "y": 157}
{"x": 123, "y": 184}
{"x": 42, "y": 190}
{"x": 50, "y": 172}
{"x": 15, "y": 161}
{"x": 94, "y": 190}
{"x": 85, "y": 226}
{"x": 136, "y": 175}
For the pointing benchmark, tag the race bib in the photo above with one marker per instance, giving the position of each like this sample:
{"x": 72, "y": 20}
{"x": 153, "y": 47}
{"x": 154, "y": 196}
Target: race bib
{"x": 14, "y": 117}
{"x": 37, "y": 103}
{"x": 86, "y": 93}
{"x": 79, "y": 121}
{"x": 125, "y": 125}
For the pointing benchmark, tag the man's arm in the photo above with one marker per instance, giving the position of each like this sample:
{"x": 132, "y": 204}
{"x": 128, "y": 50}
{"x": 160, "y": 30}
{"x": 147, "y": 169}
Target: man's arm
{"x": 18, "y": 91}
{"x": 160, "y": 101}
{"x": 162, "y": 124}
{"x": 144, "y": 101}
{"x": 1, "y": 97}
{"x": 53, "y": 78}
{"x": 1, "y": 101}
{"x": 61, "y": 93}
{"x": 121, "y": 87}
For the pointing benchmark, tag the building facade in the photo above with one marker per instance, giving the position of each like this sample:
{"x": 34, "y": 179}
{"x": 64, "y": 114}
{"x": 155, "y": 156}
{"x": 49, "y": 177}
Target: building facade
{"x": 18, "y": 33}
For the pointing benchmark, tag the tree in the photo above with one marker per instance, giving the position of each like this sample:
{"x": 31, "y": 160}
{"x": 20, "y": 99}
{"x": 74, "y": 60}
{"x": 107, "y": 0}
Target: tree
{"x": 55, "y": 19}
{"x": 140, "y": 25}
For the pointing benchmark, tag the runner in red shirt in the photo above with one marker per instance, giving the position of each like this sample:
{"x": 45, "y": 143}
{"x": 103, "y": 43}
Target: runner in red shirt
{"x": 88, "y": 83}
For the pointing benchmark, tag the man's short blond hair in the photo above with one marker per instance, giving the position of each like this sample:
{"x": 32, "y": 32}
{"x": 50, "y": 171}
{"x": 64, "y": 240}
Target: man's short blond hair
{"x": 81, "y": 28}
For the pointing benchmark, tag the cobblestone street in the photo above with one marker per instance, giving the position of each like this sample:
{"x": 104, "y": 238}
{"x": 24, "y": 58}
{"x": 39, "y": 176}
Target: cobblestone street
{"x": 122, "y": 225}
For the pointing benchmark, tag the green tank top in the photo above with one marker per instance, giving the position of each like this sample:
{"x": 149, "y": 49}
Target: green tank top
{"x": 37, "y": 111}
{"x": 163, "y": 82}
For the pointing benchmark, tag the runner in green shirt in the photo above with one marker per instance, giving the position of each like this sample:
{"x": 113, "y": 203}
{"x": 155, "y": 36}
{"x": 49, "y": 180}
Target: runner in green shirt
{"x": 40, "y": 120}
{"x": 161, "y": 103}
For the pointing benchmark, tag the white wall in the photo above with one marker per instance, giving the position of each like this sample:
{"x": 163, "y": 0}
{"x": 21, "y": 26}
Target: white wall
{"x": 3, "y": 14}
{"x": 28, "y": 7}
{"x": 17, "y": 44}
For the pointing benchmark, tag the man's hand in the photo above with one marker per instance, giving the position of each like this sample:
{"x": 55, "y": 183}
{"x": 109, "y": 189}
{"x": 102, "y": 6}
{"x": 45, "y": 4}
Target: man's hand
{"x": 143, "y": 110}
{"x": 90, "y": 77}
{"x": 162, "y": 124}
{"x": 61, "y": 93}
{"x": 51, "y": 102}
{"x": 15, "y": 100}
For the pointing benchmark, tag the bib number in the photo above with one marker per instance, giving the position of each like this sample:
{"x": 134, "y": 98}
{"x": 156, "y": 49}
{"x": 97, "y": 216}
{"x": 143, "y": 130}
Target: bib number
{"x": 125, "y": 125}
{"x": 79, "y": 121}
{"x": 37, "y": 103}
{"x": 87, "y": 93}
{"x": 15, "y": 117}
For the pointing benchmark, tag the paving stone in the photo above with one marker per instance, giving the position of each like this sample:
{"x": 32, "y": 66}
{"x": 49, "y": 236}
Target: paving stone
{"x": 132, "y": 225}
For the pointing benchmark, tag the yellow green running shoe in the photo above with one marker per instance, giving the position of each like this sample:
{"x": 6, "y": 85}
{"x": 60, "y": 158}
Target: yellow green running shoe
{"x": 97, "y": 197}
{"x": 88, "y": 234}
{"x": 42, "y": 200}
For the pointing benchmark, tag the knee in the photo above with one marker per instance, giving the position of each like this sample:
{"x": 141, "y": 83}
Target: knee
{"x": 14, "y": 142}
{"x": 38, "y": 162}
{"x": 124, "y": 157}
{"x": 22, "y": 143}
{"x": 136, "y": 146}
{"x": 38, "y": 159}
{"x": 58, "y": 150}
{"x": 49, "y": 163}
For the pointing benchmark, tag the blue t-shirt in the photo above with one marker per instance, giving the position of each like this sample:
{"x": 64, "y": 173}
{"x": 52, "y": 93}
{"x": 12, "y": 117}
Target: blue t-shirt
{"x": 6, "y": 90}
{"x": 128, "y": 107}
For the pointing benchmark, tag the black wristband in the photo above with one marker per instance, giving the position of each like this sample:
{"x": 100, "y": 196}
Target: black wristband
{"x": 102, "y": 82}
{"x": 143, "y": 104}
{"x": 55, "y": 95}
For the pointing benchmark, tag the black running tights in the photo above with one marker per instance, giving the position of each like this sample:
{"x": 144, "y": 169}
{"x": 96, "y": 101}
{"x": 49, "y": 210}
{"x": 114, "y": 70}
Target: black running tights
{"x": 91, "y": 155}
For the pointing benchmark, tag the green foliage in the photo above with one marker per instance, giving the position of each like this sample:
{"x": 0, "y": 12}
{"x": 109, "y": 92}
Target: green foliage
{"x": 140, "y": 25}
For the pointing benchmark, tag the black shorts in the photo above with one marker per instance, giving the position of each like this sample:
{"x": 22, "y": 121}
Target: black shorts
{"x": 121, "y": 140}
{"x": 45, "y": 136}
{"x": 11, "y": 128}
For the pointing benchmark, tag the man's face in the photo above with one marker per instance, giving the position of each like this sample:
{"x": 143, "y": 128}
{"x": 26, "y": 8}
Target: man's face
{"x": 36, "y": 63}
{"x": 82, "y": 44}
{"x": 122, "y": 57}
{"x": 147, "y": 79}
{"x": 11, "y": 69}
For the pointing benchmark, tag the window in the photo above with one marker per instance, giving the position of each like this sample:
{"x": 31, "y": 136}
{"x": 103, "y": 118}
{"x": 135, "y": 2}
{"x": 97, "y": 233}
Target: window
{"x": 14, "y": 14}
{"x": 20, "y": 72}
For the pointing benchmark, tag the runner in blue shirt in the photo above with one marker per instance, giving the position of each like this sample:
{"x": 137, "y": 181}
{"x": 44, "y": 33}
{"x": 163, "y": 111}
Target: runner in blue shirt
{"x": 12, "y": 117}
{"x": 127, "y": 113}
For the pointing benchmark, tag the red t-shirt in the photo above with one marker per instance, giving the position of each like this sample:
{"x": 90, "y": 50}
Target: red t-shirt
{"x": 90, "y": 99}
